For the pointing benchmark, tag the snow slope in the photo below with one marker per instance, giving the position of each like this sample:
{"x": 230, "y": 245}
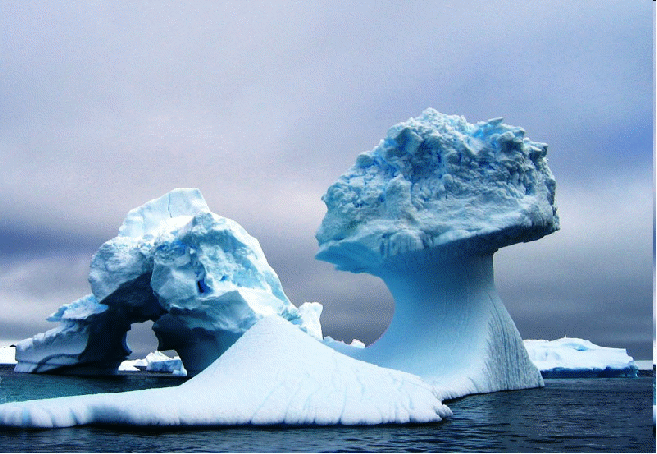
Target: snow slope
{"x": 274, "y": 374}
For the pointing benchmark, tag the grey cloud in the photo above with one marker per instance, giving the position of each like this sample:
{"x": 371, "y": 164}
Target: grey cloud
{"x": 12, "y": 332}
{"x": 31, "y": 289}
{"x": 25, "y": 240}
{"x": 262, "y": 106}
{"x": 594, "y": 277}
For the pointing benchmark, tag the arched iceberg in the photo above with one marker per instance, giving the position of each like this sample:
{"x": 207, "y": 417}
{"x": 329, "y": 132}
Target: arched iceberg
{"x": 200, "y": 277}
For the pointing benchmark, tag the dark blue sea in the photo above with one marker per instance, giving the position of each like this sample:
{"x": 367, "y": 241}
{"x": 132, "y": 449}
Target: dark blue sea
{"x": 567, "y": 415}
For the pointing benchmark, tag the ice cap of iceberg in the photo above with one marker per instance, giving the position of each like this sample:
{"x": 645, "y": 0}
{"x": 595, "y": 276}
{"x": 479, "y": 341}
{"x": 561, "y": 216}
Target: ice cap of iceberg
{"x": 150, "y": 219}
{"x": 274, "y": 374}
{"x": 436, "y": 181}
{"x": 425, "y": 210}
{"x": 200, "y": 277}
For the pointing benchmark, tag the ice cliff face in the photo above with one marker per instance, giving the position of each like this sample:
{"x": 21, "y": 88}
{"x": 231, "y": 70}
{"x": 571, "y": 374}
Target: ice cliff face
{"x": 200, "y": 277}
{"x": 89, "y": 339}
{"x": 425, "y": 210}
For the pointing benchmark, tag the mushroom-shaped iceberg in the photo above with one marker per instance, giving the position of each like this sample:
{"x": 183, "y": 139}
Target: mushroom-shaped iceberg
{"x": 425, "y": 211}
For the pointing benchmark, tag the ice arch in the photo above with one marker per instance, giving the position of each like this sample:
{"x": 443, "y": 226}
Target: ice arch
{"x": 201, "y": 278}
{"x": 425, "y": 211}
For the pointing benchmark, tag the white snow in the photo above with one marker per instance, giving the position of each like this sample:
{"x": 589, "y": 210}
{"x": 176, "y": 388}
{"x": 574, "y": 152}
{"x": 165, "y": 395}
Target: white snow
{"x": 357, "y": 343}
{"x": 200, "y": 277}
{"x": 310, "y": 313}
{"x": 274, "y": 374}
{"x": 131, "y": 365}
{"x": 7, "y": 355}
{"x": 576, "y": 354}
{"x": 168, "y": 212}
{"x": 425, "y": 210}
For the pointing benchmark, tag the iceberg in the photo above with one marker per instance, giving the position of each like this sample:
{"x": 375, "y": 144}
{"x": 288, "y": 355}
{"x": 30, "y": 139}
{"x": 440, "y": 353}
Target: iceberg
{"x": 201, "y": 278}
{"x": 572, "y": 357}
{"x": 7, "y": 355}
{"x": 132, "y": 365}
{"x": 425, "y": 211}
{"x": 274, "y": 374}
{"x": 155, "y": 362}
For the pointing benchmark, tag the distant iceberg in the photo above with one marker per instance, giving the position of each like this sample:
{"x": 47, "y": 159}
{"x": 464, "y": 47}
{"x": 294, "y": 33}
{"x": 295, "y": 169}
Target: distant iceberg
{"x": 274, "y": 374}
{"x": 572, "y": 357}
{"x": 7, "y": 355}
{"x": 155, "y": 362}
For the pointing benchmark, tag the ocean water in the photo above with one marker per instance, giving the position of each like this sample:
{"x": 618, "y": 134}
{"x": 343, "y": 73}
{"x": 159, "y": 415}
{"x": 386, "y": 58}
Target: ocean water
{"x": 567, "y": 415}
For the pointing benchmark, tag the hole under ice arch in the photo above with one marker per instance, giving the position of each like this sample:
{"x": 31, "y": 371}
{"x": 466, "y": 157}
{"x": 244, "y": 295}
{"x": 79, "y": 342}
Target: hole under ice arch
{"x": 356, "y": 306}
{"x": 142, "y": 341}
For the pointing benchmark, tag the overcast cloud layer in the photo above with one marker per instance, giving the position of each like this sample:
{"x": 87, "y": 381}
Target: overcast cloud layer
{"x": 262, "y": 105}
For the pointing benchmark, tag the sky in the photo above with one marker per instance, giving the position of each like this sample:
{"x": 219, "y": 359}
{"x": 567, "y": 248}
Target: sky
{"x": 262, "y": 105}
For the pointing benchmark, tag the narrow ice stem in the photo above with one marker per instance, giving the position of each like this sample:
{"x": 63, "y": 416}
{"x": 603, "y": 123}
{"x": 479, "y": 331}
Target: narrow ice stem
{"x": 450, "y": 326}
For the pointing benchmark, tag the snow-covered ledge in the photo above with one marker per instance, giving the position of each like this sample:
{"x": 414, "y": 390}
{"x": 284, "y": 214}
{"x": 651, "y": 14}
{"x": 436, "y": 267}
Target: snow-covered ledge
{"x": 425, "y": 211}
